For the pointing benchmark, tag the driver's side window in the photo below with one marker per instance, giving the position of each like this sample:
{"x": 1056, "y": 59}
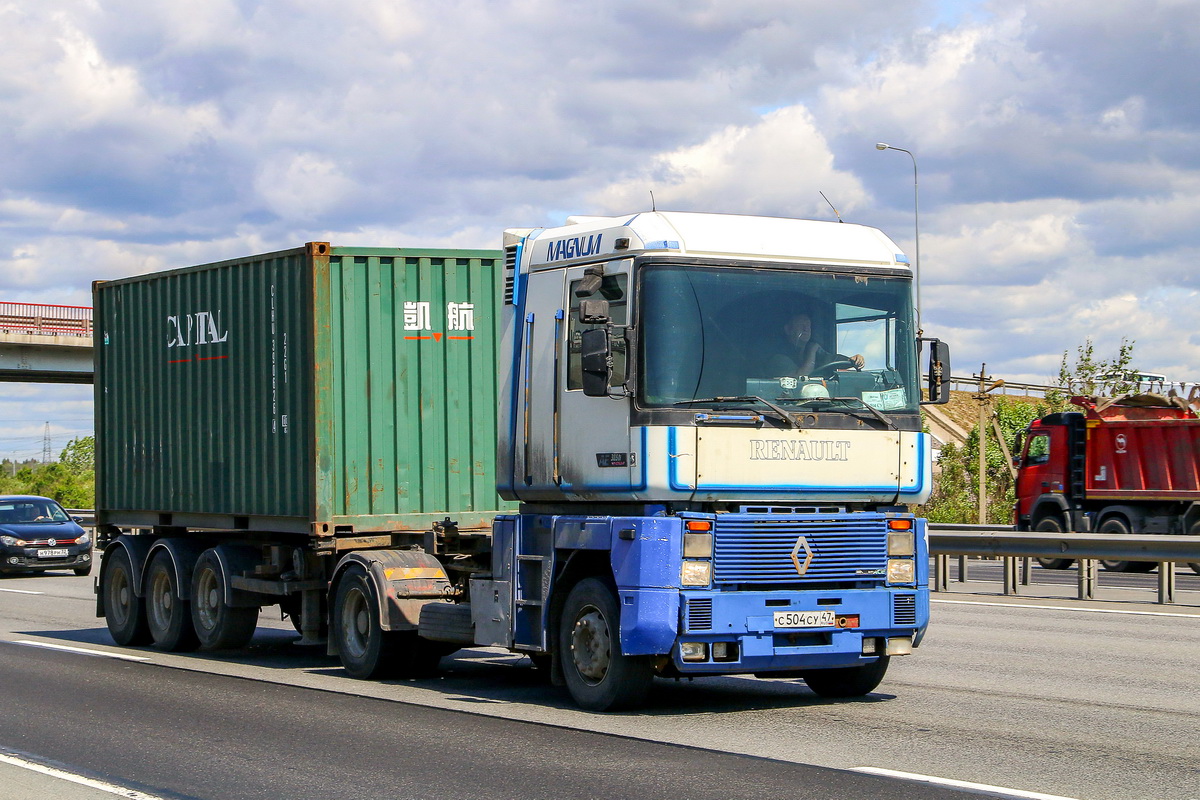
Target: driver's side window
{"x": 612, "y": 289}
{"x": 1038, "y": 451}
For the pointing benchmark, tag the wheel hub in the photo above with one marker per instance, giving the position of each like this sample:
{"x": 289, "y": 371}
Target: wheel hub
{"x": 591, "y": 645}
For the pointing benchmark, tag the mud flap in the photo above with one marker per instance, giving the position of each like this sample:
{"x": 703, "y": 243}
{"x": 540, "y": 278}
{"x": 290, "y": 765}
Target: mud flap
{"x": 404, "y": 580}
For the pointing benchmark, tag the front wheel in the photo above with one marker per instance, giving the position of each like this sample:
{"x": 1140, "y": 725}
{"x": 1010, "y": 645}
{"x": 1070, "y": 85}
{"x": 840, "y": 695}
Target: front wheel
{"x": 218, "y": 625}
{"x": 124, "y": 611}
{"x": 598, "y": 675}
{"x": 846, "y": 681}
{"x": 1052, "y": 525}
{"x": 167, "y": 615}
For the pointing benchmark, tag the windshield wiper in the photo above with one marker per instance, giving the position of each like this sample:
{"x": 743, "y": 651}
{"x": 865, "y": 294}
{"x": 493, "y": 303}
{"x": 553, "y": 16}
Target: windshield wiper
{"x": 746, "y": 398}
{"x": 874, "y": 411}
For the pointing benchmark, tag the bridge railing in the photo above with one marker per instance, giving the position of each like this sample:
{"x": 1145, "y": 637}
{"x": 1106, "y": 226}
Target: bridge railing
{"x": 45, "y": 320}
{"x": 1015, "y": 548}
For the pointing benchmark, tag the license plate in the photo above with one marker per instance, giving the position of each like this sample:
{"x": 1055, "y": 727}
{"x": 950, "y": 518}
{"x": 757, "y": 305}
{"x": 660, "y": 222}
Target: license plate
{"x": 804, "y": 619}
{"x": 53, "y": 553}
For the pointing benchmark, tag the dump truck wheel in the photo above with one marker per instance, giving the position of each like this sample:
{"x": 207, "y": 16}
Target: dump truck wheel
{"x": 1118, "y": 526}
{"x": 1052, "y": 525}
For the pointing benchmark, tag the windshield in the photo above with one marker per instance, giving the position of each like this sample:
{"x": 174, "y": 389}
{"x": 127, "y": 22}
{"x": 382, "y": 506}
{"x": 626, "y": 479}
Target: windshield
{"x": 792, "y": 337}
{"x": 24, "y": 511}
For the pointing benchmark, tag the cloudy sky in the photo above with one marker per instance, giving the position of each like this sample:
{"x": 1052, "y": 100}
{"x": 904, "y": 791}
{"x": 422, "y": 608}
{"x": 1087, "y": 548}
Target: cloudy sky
{"x": 1058, "y": 144}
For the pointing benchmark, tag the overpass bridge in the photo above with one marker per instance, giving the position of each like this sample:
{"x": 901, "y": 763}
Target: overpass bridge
{"x": 45, "y": 343}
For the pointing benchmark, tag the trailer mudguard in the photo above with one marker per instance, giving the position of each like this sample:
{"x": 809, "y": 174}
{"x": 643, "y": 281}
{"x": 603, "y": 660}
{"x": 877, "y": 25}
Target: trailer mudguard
{"x": 404, "y": 581}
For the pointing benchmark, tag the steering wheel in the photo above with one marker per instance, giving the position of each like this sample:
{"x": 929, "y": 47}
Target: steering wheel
{"x": 830, "y": 367}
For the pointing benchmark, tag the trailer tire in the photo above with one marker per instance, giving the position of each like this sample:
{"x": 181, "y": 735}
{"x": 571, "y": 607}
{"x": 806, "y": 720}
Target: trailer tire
{"x": 1118, "y": 526}
{"x": 598, "y": 675}
{"x": 168, "y": 617}
{"x": 1052, "y": 525}
{"x": 218, "y": 625}
{"x": 124, "y": 611}
{"x": 846, "y": 681}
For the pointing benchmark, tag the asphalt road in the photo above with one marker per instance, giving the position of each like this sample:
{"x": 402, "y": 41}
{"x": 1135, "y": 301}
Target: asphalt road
{"x": 1074, "y": 700}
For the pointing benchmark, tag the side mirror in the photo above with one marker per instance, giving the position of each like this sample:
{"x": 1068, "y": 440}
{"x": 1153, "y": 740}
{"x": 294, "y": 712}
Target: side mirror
{"x": 939, "y": 372}
{"x": 595, "y": 359}
{"x": 594, "y": 312}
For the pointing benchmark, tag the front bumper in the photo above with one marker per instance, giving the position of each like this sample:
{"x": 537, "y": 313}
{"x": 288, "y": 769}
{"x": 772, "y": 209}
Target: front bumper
{"x": 26, "y": 559}
{"x": 745, "y": 623}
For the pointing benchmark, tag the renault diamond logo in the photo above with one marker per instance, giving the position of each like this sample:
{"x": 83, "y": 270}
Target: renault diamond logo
{"x": 802, "y": 546}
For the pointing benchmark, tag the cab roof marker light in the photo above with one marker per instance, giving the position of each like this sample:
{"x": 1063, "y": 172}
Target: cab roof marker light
{"x": 662, "y": 244}
{"x": 901, "y": 258}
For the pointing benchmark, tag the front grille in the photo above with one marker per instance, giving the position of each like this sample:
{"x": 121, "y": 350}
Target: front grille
{"x": 904, "y": 610}
{"x": 750, "y": 550}
{"x": 699, "y": 614}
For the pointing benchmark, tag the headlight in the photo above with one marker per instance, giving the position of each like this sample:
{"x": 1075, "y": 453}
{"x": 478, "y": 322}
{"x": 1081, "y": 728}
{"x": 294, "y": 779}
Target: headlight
{"x": 12, "y": 541}
{"x": 696, "y": 573}
{"x": 901, "y": 570}
{"x": 84, "y": 540}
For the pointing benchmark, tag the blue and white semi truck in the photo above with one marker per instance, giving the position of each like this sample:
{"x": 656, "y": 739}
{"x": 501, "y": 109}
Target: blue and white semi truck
{"x": 686, "y": 508}
{"x": 709, "y": 428}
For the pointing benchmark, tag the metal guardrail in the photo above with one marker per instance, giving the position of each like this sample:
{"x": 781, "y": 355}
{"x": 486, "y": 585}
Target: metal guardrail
{"x": 46, "y": 320}
{"x": 1087, "y": 550}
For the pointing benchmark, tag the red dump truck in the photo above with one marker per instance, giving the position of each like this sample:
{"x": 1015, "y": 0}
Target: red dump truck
{"x": 1118, "y": 465}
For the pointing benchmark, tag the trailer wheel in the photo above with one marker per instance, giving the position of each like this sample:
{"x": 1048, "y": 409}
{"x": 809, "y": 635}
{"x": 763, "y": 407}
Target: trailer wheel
{"x": 1116, "y": 525}
{"x": 168, "y": 617}
{"x": 599, "y": 677}
{"x": 1052, "y": 525}
{"x": 218, "y": 625}
{"x": 846, "y": 681}
{"x": 124, "y": 611}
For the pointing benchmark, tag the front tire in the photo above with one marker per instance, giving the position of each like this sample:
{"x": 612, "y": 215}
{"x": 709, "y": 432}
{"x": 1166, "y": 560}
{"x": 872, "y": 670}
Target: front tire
{"x": 847, "y": 681}
{"x": 1052, "y": 525}
{"x": 124, "y": 611}
{"x": 168, "y": 617}
{"x": 599, "y": 677}
{"x": 218, "y": 625}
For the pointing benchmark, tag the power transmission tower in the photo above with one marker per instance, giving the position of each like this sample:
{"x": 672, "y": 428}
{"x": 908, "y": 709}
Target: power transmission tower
{"x": 46, "y": 445}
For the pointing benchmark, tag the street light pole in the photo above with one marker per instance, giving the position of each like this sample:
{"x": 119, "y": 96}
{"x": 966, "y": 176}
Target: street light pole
{"x": 916, "y": 229}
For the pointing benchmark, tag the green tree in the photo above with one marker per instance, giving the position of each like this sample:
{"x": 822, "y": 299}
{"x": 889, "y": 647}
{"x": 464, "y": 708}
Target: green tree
{"x": 1089, "y": 375}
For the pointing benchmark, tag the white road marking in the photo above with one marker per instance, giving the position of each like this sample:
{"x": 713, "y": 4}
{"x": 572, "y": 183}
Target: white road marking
{"x": 111, "y": 788}
{"x": 995, "y": 791}
{"x": 82, "y": 650}
{"x": 1069, "y": 608}
{"x": 20, "y": 591}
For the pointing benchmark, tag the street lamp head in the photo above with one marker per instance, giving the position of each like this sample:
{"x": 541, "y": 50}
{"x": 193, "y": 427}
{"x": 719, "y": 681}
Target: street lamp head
{"x": 881, "y": 146}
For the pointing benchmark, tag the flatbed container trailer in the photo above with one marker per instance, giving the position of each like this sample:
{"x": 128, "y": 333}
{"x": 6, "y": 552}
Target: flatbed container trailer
{"x": 658, "y": 497}
{"x": 1118, "y": 465}
{"x": 285, "y": 409}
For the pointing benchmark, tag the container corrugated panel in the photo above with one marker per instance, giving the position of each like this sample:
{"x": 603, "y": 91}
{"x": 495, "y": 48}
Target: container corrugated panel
{"x": 353, "y": 389}
{"x": 1146, "y": 459}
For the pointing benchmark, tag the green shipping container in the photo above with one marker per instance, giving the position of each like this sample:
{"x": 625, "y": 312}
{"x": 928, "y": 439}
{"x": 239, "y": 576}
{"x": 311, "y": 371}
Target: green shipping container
{"x": 333, "y": 391}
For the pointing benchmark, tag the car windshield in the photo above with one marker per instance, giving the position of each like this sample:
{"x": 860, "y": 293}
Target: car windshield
{"x": 31, "y": 510}
{"x": 786, "y": 336}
